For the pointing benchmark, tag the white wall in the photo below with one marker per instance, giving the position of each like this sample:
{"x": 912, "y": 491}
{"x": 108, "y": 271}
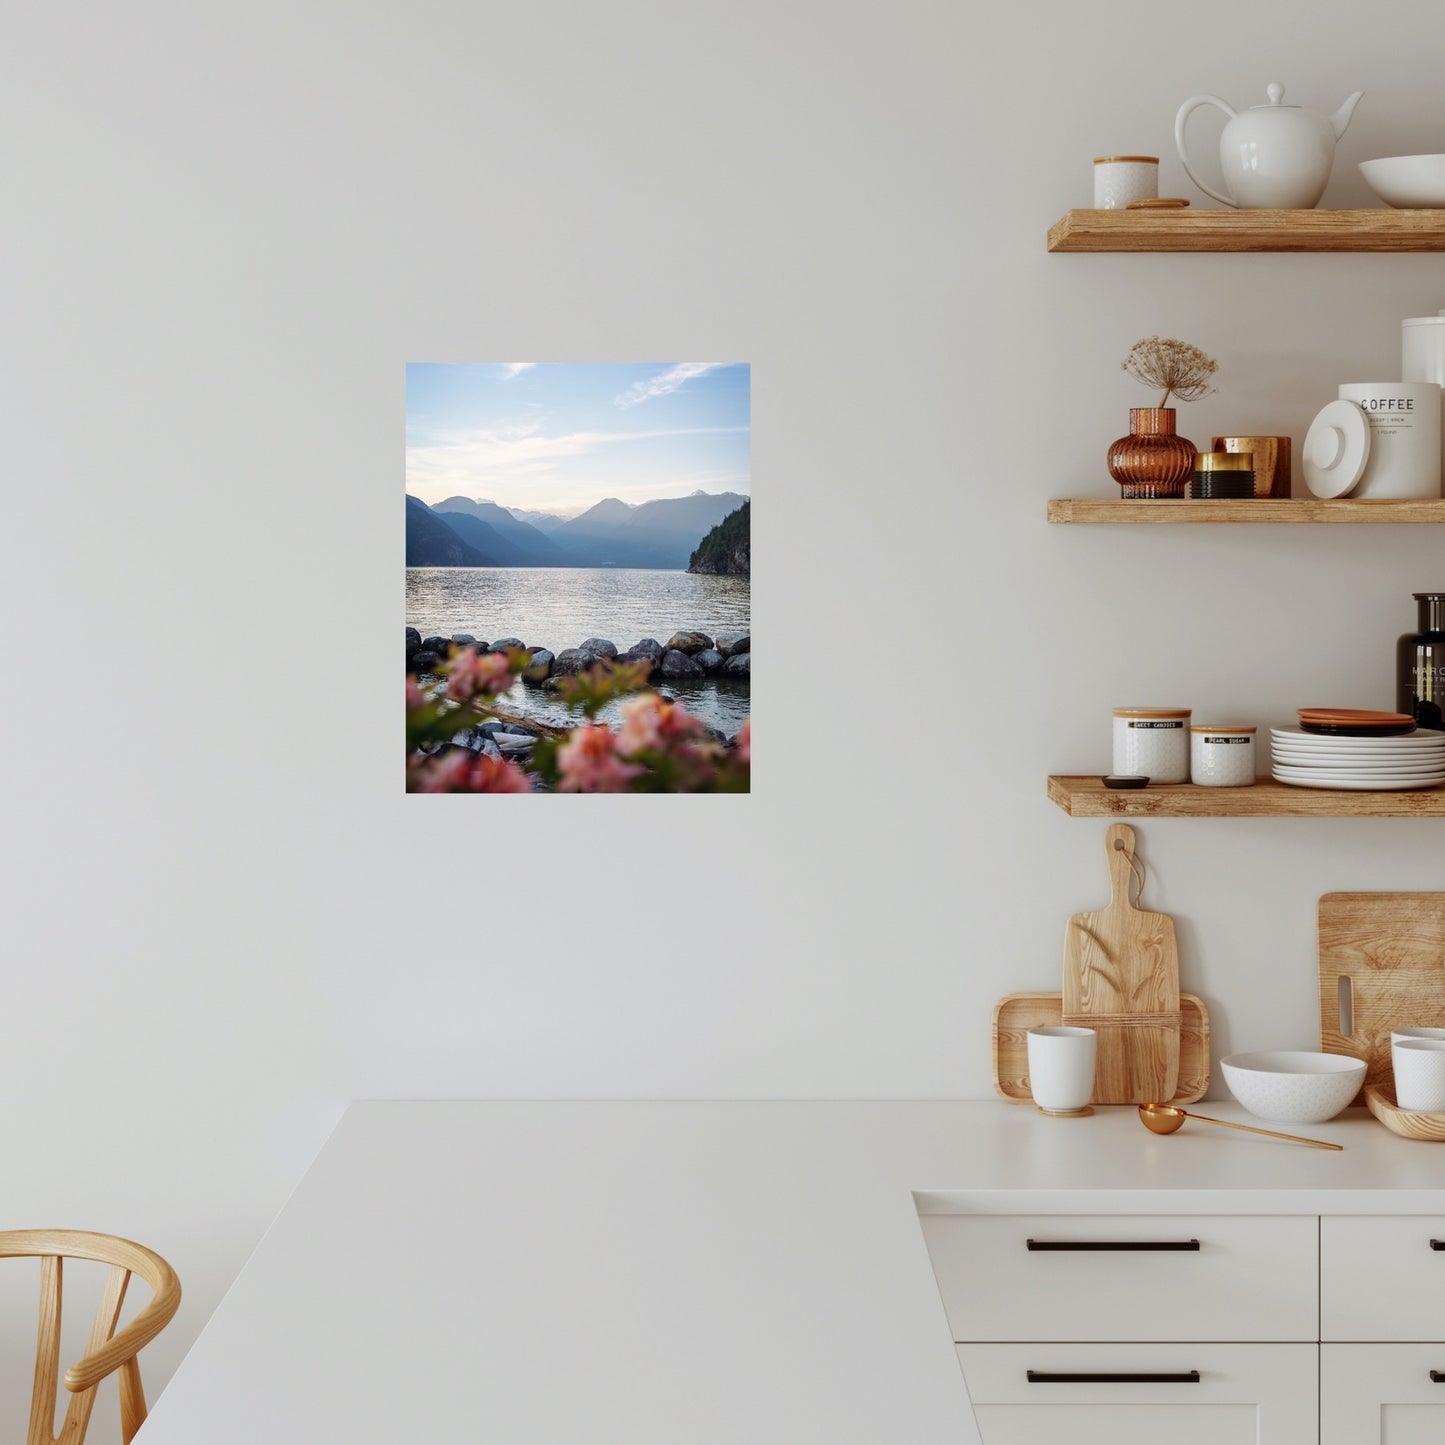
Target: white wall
{"x": 227, "y": 227}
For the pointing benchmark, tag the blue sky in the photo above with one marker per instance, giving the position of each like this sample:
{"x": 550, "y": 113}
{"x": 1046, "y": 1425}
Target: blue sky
{"x": 560, "y": 436}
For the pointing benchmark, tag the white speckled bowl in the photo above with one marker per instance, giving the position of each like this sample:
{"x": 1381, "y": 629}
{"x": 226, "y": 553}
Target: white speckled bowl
{"x": 1289, "y": 1087}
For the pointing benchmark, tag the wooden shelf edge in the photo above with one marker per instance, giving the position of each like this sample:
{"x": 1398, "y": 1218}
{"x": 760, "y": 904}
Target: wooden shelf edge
{"x": 1219, "y": 230}
{"x": 1114, "y": 511}
{"x": 1087, "y": 797}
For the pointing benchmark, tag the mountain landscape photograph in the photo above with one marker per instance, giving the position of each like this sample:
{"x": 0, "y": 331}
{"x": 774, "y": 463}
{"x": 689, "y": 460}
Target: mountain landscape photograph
{"x": 578, "y": 575}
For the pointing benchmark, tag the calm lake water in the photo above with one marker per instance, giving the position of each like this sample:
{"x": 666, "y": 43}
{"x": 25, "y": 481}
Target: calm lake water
{"x": 558, "y": 607}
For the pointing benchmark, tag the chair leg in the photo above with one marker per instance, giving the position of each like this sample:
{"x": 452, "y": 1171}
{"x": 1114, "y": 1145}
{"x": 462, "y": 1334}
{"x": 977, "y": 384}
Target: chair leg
{"x": 132, "y": 1400}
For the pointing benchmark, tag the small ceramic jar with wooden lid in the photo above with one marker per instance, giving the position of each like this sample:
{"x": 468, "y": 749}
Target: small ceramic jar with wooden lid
{"x": 1152, "y": 741}
{"x": 1222, "y": 757}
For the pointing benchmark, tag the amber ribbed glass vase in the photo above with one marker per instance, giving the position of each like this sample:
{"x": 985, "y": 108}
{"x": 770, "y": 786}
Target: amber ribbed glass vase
{"x": 1151, "y": 461}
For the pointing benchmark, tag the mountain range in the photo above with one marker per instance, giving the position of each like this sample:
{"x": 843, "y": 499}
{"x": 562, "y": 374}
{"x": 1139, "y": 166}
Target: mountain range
{"x": 613, "y": 533}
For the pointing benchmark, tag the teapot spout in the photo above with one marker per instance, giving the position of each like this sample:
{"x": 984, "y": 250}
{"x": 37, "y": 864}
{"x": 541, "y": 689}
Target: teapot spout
{"x": 1341, "y": 118}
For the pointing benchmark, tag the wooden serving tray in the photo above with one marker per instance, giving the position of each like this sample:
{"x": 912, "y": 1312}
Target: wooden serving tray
{"x": 1016, "y": 1014}
{"x": 1380, "y": 1101}
{"x": 1382, "y": 967}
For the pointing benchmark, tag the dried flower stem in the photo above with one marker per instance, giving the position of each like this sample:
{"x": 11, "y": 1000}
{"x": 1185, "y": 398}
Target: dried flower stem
{"x": 1181, "y": 369}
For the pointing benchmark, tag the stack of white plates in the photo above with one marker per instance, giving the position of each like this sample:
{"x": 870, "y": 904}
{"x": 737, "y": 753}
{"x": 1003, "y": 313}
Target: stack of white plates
{"x": 1319, "y": 760}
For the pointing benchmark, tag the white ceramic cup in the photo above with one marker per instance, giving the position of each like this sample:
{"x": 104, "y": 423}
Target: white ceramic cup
{"x": 1419, "y": 1075}
{"x": 1119, "y": 180}
{"x": 1061, "y": 1068}
{"x": 1397, "y": 1034}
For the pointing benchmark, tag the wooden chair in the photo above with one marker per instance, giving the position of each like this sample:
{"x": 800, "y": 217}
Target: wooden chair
{"x": 108, "y": 1350}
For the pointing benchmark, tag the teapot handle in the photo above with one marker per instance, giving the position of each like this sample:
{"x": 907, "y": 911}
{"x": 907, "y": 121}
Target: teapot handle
{"x": 1184, "y": 112}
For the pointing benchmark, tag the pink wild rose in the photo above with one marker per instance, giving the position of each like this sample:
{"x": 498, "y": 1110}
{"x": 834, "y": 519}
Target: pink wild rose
{"x": 475, "y": 672}
{"x": 589, "y": 764}
{"x": 651, "y": 723}
{"x": 745, "y": 741}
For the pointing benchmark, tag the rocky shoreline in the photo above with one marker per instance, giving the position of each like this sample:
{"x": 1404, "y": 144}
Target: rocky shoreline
{"x": 684, "y": 656}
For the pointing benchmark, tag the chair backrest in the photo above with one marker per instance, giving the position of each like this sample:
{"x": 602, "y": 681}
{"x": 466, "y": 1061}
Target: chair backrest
{"x": 107, "y": 1350}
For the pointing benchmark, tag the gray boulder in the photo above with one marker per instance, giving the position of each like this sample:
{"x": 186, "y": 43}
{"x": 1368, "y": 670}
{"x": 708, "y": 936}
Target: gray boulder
{"x": 729, "y": 643}
{"x": 600, "y": 646}
{"x": 413, "y": 641}
{"x": 631, "y": 655}
{"x": 442, "y": 646}
{"x": 709, "y": 659}
{"x": 423, "y": 661}
{"x": 739, "y": 665}
{"x": 464, "y": 639}
{"x": 572, "y": 659}
{"x": 649, "y": 647}
{"x": 540, "y": 665}
{"x": 676, "y": 663}
{"x": 688, "y": 642}
{"x": 502, "y": 644}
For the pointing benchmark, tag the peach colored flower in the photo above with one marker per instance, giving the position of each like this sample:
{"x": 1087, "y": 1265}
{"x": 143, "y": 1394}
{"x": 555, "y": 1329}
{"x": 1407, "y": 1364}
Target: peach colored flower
{"x": 460, "y": 772}
{"x": 650, "y": 723}
{"x": 415, "y": 697}
{"x": 589, "y": 764}
{"x": 473, "y": 672}
{"x": 745, "y": 741}
{"x": 445, "y": 774}
{"x": 498, "y": 775}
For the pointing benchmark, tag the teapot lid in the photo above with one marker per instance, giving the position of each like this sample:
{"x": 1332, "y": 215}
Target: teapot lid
{"x": 1275, "y": 91}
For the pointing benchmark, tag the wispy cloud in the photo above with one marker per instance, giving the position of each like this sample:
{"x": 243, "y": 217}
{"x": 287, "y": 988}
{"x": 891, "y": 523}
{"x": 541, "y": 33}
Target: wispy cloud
{"x": 515, "y": 368}
{"x": 478, "y": 461}
{"x": 666, "y": 381}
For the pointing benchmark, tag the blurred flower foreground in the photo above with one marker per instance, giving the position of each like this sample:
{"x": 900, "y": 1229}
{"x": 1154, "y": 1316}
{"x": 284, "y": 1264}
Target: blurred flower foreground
{"x": 461, "y": 739}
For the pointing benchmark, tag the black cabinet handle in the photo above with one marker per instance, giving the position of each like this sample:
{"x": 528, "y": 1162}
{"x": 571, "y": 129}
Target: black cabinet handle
{"x": 1098, "y": 1377}
{"x": 1437, "y": 1244}
{"x": 1438, "y": 1376}
{"x": 1111, "y": 1244}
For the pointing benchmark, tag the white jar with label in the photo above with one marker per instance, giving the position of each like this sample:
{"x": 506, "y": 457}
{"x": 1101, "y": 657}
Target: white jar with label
{"x": 1404, "y": 452}
{"x": 1222, "y": 757}
{"x": 1152, "y": 742}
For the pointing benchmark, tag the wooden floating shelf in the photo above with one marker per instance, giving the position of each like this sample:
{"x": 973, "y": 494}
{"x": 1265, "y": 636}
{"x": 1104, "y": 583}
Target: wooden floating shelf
{"x": 1115, "y": 510}
{"x": 1087, "y": 797}
{"x": 1224, "y": 230}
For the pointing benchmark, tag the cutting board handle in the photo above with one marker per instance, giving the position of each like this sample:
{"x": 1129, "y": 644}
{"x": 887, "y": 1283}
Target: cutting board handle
{"x": 1119, "y": 841}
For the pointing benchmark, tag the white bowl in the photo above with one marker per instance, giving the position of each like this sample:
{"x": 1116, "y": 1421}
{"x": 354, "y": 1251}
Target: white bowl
{"x": 1407, "y": 182}
{"x": 1291, "y": 1087}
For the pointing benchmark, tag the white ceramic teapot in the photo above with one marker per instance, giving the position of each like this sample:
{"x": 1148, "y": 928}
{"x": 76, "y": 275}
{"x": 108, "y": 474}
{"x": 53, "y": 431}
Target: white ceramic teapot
{"x": 1275, "y": 155}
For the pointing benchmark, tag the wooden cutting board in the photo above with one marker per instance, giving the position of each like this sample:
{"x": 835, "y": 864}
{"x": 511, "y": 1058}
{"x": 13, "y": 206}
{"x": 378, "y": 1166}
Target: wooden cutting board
{"x": 1381, "y": 967}
{"x": 1121, "y": 978}
{"x": 1017, "y": 1013}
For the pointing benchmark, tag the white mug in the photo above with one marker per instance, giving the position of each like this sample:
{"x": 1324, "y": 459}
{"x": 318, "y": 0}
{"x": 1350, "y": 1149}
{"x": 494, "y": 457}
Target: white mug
{"x": 1061, "y": 1068}
{"x": 1419, "y": 1075}
{"x": 1397, "y": 1034}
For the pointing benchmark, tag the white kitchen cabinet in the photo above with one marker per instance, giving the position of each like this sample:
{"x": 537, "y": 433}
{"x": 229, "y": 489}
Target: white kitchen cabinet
{"x": 1382, "y": 1394}
{"x": 1382, "y": 1278}
{"x": 1144, "y": 1394}
{"x": 1179, "y": 1277}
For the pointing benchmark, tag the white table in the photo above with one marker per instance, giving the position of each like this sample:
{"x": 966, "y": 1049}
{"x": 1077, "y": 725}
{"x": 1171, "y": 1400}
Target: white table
{"x": 688, "y": 1273}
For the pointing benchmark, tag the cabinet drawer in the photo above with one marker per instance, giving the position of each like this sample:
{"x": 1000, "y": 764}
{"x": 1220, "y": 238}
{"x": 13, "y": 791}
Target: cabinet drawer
{"x": 1205, "y": 1394}
{"x": 1382, "y": 1394}
{"x": 1382, "y": 1279}
{"x": 1116, "y": 1277}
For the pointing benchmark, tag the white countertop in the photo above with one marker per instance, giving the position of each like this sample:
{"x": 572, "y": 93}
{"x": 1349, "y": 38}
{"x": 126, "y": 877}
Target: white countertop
{"x": 683, "y": 1273}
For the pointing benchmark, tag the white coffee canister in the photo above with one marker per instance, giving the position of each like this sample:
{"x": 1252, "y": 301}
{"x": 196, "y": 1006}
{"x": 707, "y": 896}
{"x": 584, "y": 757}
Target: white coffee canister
{"x": 1422, "y": 352}
{"x": 1404, "y": 418}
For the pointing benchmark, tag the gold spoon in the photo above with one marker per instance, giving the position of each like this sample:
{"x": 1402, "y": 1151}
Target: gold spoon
{"x": 1168, "y": 1119}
